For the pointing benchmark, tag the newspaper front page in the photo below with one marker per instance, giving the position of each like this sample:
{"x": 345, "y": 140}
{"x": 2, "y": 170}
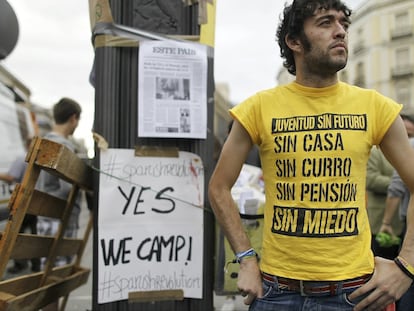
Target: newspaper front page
{"x": 172, "y": 99}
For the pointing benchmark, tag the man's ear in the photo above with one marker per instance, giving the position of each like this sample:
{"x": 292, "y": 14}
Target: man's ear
{"x": 73, "y": 118}
{"x": 293, "y": 43}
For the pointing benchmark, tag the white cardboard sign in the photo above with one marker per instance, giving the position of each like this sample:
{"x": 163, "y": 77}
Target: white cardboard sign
{"x": 150, "y": 228}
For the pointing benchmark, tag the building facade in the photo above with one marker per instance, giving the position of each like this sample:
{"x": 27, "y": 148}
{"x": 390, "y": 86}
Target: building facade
{"x": 381, "y": 49}
{"x": 222, "y": 116}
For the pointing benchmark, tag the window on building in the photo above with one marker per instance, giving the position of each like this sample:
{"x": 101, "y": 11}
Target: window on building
{"x": 359, "y": 42}
{"x": 402, "y": 57}
{"x": 402, "y": 26}
{"x": 403, "y": 93}
{"x": 360, "y": 75}
{"x": 401, "y": 20}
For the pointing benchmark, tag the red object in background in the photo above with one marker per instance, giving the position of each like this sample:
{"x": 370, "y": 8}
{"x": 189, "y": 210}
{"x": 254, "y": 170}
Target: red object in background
{"x": 390, "y": 307}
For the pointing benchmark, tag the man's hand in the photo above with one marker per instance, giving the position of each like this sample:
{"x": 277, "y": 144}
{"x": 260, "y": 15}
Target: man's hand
{"x": 386, "y": 228}
{"x": 249, "y": 281}
{"x": 388, "y": 283}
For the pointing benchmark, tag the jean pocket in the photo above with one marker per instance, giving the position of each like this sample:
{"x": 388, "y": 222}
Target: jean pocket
{"x": 355, "y": 301}
{"x": 348, "y": 301}
{"x": 267, "y": 288}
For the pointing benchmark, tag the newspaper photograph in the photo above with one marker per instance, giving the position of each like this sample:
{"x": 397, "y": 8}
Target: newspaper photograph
{"x": 172, "y": 89}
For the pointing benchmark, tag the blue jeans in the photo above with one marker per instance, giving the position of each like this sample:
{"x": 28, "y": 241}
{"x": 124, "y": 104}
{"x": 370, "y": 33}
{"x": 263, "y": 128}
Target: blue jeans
{"x": 406, "y": 302}
{"x": 275, "y": 299}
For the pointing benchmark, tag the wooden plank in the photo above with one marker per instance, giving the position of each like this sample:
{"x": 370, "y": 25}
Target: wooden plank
{"x": 156, "y": 151}
{"x": 77, "y": 263}
{"x": 59, "y": 160}
{"x": 6, "y": 296}
{"x": 53, "y": 251}
{"x": 44, "y": 204}
{"x": 40, "y": 203}
{"x": 28, "y": 282}
{"x": 84, "y": 241}
{"x": 35, "y": 246}
{"x": 159, "y": 295}
{"x": 35, "y": 290}
{"x": 46, "y": 294}
{"x": 19, "y": 206}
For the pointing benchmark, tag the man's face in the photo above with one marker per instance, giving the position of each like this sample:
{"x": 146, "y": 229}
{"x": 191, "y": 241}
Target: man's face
{"x": 325, "y": 41}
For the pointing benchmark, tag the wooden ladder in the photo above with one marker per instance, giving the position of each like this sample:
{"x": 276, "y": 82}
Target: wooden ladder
{"x": 35, "y": 290}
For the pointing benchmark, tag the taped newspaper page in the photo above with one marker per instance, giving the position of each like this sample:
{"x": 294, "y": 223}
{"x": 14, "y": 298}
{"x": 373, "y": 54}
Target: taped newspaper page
{"x": 172, "y": 89}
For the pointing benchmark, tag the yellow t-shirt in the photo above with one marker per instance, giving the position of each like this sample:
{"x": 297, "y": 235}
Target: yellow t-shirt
{"x": 314, "y": 146}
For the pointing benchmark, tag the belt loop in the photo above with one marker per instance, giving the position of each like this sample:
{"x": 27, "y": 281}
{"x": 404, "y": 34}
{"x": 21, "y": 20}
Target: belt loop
{"x": 333, "y": 288}
{"x": 302, "y": 288}
{"x": 340, "y": 287}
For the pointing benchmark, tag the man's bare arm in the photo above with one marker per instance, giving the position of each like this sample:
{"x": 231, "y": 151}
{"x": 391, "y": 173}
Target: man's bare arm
{"x": 232, "y": 157}
{"x": 388, "y": 282}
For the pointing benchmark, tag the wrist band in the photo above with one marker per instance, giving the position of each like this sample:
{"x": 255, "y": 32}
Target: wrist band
{"x": 246, "y": 254}
{"x": 404, "y": 266}
{"x": 239, "y": 256}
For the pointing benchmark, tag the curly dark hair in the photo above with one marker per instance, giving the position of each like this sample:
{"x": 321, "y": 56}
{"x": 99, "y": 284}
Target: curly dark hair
{"x": 294, "y": 16}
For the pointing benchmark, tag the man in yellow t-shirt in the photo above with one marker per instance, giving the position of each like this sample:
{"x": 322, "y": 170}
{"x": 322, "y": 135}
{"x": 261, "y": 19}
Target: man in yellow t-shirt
{"x": 314, "y": 136}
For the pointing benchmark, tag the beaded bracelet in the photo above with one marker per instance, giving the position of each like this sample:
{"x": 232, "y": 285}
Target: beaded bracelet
{"x": 404, "y": 266}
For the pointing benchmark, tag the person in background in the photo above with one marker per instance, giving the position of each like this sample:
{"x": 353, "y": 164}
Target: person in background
{"x": 379, "y": 173}
{"x": 14, "y": 175}
{"x": 314, "y": 135}
{"x": 66, "y": 115}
